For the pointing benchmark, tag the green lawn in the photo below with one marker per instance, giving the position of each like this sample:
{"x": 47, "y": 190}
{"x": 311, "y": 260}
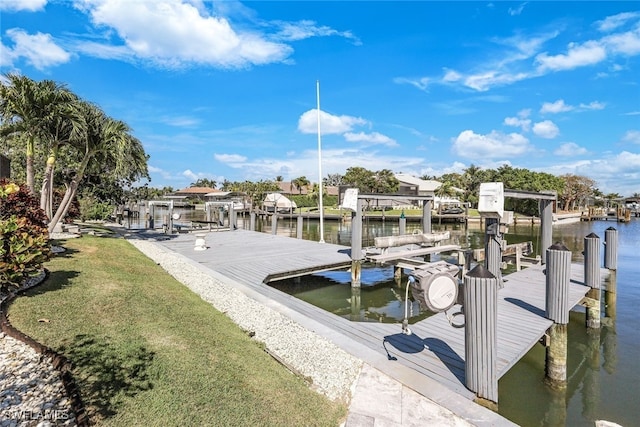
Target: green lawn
{"x": 147, "y": 351}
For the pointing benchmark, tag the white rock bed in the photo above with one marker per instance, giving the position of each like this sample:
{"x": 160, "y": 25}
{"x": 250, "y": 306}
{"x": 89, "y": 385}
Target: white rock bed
{"x": 31, "y": 390}
{"x": 332, "y": 370}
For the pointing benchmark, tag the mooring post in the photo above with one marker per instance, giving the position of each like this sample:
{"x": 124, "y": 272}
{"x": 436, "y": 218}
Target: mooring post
{"x": 426, "y": 217}
{"x": 356, "y": 245}
{"x": 299, "y": 227}
{"x": 252, "y": 221}
{"x": 611, "y": 263}
{"x": 610, "y": 299}
{"x": 274, "y": 223}
{"x": 611, "y": 248}
{"x": 493, "y": 248}
{"x": 232, "y": 218}
{"x": 402, "y": 230}
{"x": 546, "y": 226}
{"x": 592, "y": 279}
{"x": 355, "y": 304}
{"x": 558, "y": 277}
{"x": 481, "y": 317}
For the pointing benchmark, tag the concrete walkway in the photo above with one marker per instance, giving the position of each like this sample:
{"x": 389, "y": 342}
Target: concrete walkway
{"x": 379, "y": 400}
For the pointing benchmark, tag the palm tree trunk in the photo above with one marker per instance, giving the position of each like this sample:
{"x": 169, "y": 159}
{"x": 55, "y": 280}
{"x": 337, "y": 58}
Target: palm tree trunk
{"x": 46, "y": 195}
{"x": 30, "y": 173}
{"x": 72, "y": 188}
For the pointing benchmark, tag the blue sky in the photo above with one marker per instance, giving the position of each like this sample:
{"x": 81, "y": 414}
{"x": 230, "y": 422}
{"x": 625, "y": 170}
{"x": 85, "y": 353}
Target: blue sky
{"x": 227, "y": 90}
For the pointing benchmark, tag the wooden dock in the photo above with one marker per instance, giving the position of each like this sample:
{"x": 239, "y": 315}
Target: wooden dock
{"x": 430, "y": 358}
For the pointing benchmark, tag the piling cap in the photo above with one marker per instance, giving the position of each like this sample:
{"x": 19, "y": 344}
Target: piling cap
{"x": 558, "y": 246}
{"x": 592, "y": 236}
{"x": 481, "y": 272}
{"x": 611, "y": 229}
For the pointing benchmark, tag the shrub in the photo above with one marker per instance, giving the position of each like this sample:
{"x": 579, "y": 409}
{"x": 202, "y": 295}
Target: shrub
{"x": 93, "y": 209}
{"x": 24, "y": 239}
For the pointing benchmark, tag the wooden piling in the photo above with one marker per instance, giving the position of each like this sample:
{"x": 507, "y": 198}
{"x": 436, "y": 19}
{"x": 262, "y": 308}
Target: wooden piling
{"x": 546, "y": 225}
{"x": 610, "y": 296}
{"x": 592, "y": 279}
{"x": 402, "y": 225}
{"x": 274, "y": 224}
{"x": 493, "y": 248}
{"x": 481, "y": 317}
{"x": 611, "y": 248}
{"x": 252, "y": 221}
{"x": 558, "y": 277}
{"x": 356, "y": 300}
{"x": 556, "y": 360}
{"x": 299, "y": 227}
{"x": 356, "y": 273}
{"x": 356, "y": 232}
{"x": 426, "y": 217}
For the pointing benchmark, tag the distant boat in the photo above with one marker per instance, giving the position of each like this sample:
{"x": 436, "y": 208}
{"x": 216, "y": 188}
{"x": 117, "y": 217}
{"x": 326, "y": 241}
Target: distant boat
{"x": 276, "y": 202}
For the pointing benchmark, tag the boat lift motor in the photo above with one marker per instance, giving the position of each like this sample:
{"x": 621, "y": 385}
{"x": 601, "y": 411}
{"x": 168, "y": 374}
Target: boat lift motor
{"x": 435, "y": 287}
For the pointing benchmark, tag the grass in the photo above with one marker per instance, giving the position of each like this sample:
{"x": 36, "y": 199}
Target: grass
{"x": 147, "y": 351}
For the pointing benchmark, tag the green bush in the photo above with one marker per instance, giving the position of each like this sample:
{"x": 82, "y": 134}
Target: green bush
{"x": 24, "y": 239}
{"x": 92, "y": 209}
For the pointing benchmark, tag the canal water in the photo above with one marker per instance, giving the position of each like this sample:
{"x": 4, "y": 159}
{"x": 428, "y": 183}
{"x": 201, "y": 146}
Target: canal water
{"x": 603, "y": 367}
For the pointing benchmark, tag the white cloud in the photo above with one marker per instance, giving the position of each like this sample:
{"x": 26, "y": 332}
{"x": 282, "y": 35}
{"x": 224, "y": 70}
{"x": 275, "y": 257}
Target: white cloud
{"x": 515, "y": 62}
{"x": 230, "y": 158}
{"x": 555, "y": 107}
{"x": 469, "y": 144}
{"x": 181, "y": 121}
{"x": 594, "y": 105}
{"x": 293, "y": 31}
{"x": 546, "y": 129}
{"x": 175, "y": 34}
{"x": 329, "y": 124}
{"x": 559, "y": 106}
{"x": 513, "y": 11}
{"x": 451, "y": 76}
{"x": 334, "y": 160}
{"x": 521, "y": 121}
{"x": 420, "y": 83}
{"x": 570, "y": 149}
{"x": 578, "y": 55}
{"x": 486, "y": 80}
{"x": 613, "y": 22}
{"x": 371, "y": 138}
{"x": 38, "y": 49}
{"x": 189, "y": 174}
{"x": 625, "y": 43}
{"x": 18, "y": 5}
{"x": 632, "y": 136}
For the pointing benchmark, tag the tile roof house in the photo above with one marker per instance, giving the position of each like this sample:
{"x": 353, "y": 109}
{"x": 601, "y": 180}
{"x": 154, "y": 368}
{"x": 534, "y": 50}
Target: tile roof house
{"x": 195, "y": 192}
{"x": 288, "y": 188}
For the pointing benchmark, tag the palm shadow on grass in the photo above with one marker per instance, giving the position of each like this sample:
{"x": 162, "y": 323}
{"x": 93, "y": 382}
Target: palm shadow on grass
{"x": 55, "y": 281}
{"x": 107, "y": 373}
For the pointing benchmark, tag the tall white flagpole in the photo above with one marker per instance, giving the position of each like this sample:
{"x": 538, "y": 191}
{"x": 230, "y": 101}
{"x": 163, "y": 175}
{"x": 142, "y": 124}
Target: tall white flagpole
{"x": 320, "y": 166}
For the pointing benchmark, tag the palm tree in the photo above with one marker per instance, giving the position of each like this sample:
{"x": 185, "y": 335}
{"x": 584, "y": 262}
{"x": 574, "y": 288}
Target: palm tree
{"x": 300, "y": 182}
{"x": 445, "y": 190}
{"x": 66, "y": 125}
{"x": 25, "y": 108}
{"x": 43, "y": 112}
{"x": 106, "y": 144}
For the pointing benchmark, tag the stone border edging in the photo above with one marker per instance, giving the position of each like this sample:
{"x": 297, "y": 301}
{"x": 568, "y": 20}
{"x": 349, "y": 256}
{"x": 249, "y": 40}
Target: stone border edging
{"x": 58, "y": 361}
